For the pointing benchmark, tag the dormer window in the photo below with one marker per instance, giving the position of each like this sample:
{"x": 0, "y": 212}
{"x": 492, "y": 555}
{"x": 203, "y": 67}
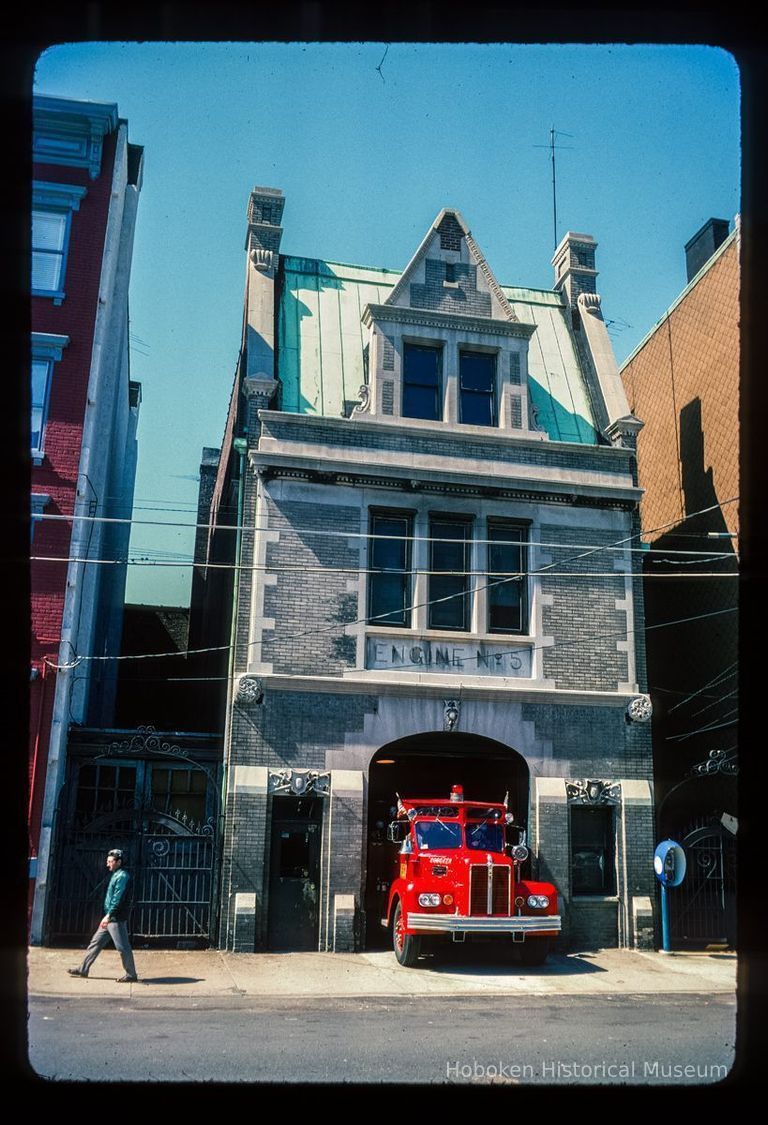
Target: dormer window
{"x": 422, "y": 382}
{"x": 477, "y": 389}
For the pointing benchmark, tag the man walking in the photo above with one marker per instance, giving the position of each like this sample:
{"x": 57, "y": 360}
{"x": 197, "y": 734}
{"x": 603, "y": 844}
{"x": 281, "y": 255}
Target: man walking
{"x": 114, "y": 924}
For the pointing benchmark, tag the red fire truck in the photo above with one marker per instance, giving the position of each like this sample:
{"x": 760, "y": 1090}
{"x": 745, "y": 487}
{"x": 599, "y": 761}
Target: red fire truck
{"x": 458, "y": 875}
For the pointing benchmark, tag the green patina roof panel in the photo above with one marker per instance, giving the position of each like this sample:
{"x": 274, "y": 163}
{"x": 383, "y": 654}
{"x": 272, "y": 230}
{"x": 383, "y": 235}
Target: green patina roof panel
{"x": 321, "y": 341}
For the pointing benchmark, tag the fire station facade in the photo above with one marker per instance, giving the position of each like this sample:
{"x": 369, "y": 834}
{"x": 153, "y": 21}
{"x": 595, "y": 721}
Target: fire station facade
{"x": 436, "y": 583}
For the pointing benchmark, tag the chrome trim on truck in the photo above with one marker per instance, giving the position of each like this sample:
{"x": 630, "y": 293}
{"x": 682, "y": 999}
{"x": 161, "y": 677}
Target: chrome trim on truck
{"x": 454, "y": 923}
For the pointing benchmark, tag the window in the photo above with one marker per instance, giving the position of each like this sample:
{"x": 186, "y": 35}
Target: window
{"x": 46, "y": 350}
{"x": 477, "y": 389}
{"x": 507, "y": 597}
{"x": 52, "y": 207}
{"x": 592, "y": 852}
{"x": 41, "y": 381}
{"x": 448, "y": 579}
{"x": 422, "y": 382}
{"x": 389, "y": 586}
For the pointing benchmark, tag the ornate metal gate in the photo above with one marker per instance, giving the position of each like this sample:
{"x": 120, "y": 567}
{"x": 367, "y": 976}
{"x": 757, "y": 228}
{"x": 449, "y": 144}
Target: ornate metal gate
{"x": 123, "y": 798}
{"x": 702, "y": 908}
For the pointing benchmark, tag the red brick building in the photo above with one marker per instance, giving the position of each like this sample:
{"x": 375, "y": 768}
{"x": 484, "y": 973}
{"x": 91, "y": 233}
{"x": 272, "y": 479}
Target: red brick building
{"x": 87, "y": 179}
{"x": 683, "y": 381}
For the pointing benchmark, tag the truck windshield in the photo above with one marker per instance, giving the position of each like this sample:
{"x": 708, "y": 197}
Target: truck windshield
{"x": 485, "y": 837}
{"x": 434, "y": 835}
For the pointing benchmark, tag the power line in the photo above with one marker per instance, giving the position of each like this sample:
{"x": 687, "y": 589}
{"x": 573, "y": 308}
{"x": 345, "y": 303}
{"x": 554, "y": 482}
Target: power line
{"x": 535, "y": 648}
{"x": 368, "y": 535}
{"x": 370, "y": 620}
{"x": 300, "y": 568}
{"x": 726, "y": 674}
{"x": 703, "y": 730}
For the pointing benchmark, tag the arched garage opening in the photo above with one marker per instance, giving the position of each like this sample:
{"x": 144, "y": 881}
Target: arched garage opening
{"x": 428, "y": 765}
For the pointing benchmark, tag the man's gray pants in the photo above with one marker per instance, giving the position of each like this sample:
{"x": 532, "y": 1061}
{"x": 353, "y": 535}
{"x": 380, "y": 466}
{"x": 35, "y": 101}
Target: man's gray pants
{"x": 118, "y": 931}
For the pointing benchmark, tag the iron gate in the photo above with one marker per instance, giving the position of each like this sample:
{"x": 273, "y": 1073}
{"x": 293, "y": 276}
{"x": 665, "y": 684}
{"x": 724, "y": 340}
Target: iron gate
{"x": 703, "y": 907}
{"x": 146, "y": 808}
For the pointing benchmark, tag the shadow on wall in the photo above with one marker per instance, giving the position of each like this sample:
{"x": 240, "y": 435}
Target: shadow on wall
{"x": 701, "y": 651}
{"x": 559, "y": 423}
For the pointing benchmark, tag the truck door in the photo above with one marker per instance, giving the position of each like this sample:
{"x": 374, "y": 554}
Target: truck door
{"x": 294, "y": 883}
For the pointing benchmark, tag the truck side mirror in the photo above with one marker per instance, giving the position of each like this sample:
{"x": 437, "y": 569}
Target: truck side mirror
{"x": 397, "y": 831}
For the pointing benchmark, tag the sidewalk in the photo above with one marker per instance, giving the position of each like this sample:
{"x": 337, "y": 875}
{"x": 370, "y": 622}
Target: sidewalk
{"x": 211, "y": 974}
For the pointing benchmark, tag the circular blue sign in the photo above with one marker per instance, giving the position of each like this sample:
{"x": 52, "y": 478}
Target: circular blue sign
{"x": 669, "y": 863}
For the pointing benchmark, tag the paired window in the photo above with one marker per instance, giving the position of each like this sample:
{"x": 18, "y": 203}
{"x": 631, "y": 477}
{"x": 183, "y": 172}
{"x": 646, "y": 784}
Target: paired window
{"x": 52, "y": 207}
{"x": 448, "y": 586}
{"x": 593, "y": 866}
{"x": 422, "y": 382}
{"x": 423, "y": 385}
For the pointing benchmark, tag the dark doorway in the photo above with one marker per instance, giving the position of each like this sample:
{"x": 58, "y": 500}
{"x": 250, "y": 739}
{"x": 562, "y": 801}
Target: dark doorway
{"x": 294, "y": 879}
{"x": 428, "y": 765}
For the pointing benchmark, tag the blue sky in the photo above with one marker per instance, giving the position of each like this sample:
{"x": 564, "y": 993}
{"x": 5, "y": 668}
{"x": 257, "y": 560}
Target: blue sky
{"x": 366, "y": 159}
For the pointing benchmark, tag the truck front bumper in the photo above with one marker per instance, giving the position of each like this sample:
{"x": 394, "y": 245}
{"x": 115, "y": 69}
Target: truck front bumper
{"x": 455, "y": 923}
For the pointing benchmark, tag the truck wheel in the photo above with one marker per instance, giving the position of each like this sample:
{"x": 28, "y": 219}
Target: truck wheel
{"x": 407, "y": 946}
{"x": 533, "y": 952}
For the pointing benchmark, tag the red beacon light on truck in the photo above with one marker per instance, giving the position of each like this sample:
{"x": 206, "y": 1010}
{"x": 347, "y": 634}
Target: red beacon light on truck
{"x": 457, "y": 876}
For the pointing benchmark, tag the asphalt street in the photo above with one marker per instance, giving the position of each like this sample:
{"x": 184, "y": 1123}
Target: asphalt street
{"x": 526, "y": 1040}
{"x": 468, "y": 1017}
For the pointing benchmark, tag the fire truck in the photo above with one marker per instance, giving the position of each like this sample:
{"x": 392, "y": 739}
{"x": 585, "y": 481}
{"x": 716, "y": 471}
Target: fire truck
{"x": 458, "y": 875}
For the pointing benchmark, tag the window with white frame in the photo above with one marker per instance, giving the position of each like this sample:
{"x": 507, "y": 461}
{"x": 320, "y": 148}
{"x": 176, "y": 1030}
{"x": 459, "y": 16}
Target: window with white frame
{"x": 507, "y": 580}
{"x": 449, "y": 598}
{"x": 500, "y": 549}
{"x": 389, "y": 562}
{"x": 477, "y": 389}
{"x": 47, "y": 349}
{"x": 52, "y": 208}
{"x": 422, "y": 382}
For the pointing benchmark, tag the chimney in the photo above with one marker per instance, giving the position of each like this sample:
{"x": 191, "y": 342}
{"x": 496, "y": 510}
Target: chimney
{"x": 703, "y": 245}
{"x": 574, "y": 263}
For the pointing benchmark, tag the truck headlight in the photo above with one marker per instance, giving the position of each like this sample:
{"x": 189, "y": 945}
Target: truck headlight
{"x": 538, "y": 902}
{"x": 520, "y": 853}
{"x": 429, "y": 900}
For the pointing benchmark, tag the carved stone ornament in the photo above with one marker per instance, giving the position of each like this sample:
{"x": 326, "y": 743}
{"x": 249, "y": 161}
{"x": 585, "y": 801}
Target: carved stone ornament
{"x": 590, "y": 303}
{"x": 593, "y": 792}
{"x": 533, "y": 418}
{"x": 364, "y": 404}
{"x": 262, "y": 260}
{"x": 639, "y": 709}
{"x": 250, "y": 689}
{"x": 451, "y": 714}
{"x": 299, "y": 782}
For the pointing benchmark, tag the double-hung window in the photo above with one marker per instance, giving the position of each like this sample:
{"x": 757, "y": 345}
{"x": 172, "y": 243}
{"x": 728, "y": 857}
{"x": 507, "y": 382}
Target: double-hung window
{"x": 507, "y": 580}
{"x": 52, "y": 207}
{"x": 449, "y": 606}
{"x": 46, "y": 351}
{"x": 389, "y": 586}
{"x": 477, "y": 388}
{"x": 422, "y": 382}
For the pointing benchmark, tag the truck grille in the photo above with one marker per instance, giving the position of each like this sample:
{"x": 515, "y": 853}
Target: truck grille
{"x": 478, "y": 889}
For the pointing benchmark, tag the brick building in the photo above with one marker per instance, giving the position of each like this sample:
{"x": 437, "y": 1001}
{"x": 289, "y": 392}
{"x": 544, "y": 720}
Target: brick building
{"x": 683, "y": 380}
{"x": 87, "y": 179}
{"x": 426, "y": 494}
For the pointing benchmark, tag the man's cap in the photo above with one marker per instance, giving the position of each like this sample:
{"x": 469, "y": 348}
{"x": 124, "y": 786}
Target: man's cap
{"x": 115, "y": 853}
